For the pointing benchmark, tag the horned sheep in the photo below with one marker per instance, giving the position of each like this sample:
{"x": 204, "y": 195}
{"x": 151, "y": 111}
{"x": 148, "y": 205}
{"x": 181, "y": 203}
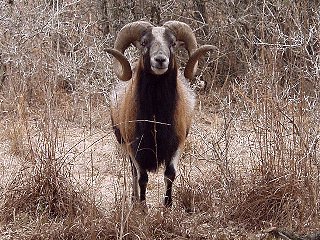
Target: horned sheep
{"x": 152, "y": 106}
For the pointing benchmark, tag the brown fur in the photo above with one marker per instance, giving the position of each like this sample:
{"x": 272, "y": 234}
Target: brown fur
{"x": 124, "y": 110}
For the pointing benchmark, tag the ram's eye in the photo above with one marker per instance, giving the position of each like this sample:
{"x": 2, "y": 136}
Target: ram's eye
{"x": 173, "y": 44}
{"x": 143, "y": 43}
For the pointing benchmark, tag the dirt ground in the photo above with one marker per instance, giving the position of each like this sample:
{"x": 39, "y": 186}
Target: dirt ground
{"x": 97, "y": 163}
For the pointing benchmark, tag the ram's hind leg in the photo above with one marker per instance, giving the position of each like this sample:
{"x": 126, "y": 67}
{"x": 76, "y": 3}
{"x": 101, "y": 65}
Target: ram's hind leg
{"x": 135, "y": 192}
{"x": 139, "y": 184}
{"x": 143, "y": 181}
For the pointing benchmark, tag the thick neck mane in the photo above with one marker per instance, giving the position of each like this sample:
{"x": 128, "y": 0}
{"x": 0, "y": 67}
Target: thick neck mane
{"x": 157, "y": 98}
{"x": 157, "y": 95}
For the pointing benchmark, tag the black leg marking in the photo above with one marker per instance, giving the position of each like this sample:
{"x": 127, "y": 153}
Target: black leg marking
{"x": 169, "y": 176}
{"x": 143, "y": 181}
{"x": 135, "y": 192}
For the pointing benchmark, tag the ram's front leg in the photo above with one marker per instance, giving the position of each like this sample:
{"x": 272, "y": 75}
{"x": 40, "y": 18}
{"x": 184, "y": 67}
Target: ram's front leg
{"x": 169, "y": 177}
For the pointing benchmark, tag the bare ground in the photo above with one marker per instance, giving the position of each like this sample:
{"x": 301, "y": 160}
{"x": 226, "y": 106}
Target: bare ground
{"x": 97, "y": 162}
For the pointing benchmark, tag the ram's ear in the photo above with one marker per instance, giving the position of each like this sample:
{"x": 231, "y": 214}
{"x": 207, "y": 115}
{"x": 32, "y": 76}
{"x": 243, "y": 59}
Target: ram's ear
{"x": 137, "y": 44}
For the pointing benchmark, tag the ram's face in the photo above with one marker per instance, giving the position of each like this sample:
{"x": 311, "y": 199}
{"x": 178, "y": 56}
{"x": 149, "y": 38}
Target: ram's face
{"x": 157, "y": 46}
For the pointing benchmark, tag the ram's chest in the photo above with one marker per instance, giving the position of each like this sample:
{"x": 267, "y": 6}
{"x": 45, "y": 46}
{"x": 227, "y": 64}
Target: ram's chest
{"x": 156, "y": 139}
{"x": 156, "y": 142}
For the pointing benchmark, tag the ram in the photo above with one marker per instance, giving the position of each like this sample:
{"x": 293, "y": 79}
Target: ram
{"x": 152, "y": 106}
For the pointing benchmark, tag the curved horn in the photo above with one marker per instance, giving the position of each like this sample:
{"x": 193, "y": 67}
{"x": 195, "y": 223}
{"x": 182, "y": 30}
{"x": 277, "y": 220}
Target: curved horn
{"x": 183, "y": 33}
{"x": 192, "y": 64}
{"x": 128, "y": 34}
{"x": 121, "y": 65}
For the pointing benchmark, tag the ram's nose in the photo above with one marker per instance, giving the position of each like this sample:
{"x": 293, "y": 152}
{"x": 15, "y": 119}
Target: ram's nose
{"x": 159, "y": 64}
{"x": 160, "y": 59}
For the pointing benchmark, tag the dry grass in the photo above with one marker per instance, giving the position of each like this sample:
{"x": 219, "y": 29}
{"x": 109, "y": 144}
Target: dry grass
{"x": 252, "y": 157}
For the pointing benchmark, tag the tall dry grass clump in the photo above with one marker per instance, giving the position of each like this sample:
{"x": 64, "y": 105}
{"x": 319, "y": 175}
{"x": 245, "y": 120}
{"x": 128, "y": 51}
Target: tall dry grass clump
{"x": 275, "y": 98}
{"x": 264, "y": 84}
{"x": 51, "y": 54}
{"x": 42, "y": 199}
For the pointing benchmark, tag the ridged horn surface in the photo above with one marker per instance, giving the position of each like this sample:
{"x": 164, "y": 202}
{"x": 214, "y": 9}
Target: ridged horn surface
{"x": 122, "y": 66}
{"x": 183, "y": 33}
{"x": 128, "y": 34}
{"x": 192, "y": 64}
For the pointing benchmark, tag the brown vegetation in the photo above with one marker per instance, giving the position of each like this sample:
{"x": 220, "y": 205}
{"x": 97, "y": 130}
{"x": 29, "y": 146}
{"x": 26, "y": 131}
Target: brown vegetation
{"x": 252, "y": 158}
